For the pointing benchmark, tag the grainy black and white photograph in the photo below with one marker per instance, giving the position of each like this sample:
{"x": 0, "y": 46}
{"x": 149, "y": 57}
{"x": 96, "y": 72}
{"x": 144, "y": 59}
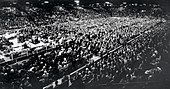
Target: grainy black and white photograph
{"x": 84, "y": 44}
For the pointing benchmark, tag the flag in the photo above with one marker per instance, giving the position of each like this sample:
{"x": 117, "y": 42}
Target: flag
{"x": 59, "y": 81}
{"x": 54, "y": 84}
{"x": 69, "y": 81}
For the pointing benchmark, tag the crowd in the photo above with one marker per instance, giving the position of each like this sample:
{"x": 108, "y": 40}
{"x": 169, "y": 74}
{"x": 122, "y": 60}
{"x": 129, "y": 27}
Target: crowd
{"x": 11, "y": 18}
{"x": 61, "y": 14}
{"x": 137, "y": 61}
{"x": 69, "y": 41}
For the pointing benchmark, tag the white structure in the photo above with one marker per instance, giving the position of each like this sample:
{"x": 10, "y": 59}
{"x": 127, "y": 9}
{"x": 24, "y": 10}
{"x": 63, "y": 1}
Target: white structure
{"x": 77, "y": 2}
{"x": 108, "y": 4}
